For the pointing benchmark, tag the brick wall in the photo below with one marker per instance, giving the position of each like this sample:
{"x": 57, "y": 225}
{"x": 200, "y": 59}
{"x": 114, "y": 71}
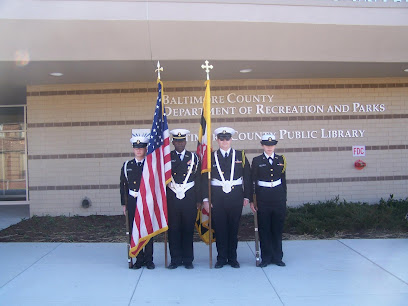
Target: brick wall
{"x": 78, "y": 135}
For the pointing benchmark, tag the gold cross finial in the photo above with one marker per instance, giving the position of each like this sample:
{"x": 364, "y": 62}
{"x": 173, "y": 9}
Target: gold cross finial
{"x": 158, "y": 70}
{"x": 207, "y": 68}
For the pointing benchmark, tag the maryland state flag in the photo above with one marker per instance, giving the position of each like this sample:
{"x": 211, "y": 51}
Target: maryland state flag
{"x": 202, "y": 226}
{"x": 204, "y": 152}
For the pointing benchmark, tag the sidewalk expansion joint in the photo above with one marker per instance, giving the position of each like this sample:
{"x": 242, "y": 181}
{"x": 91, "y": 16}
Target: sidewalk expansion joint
{"x": 373, "y": 262}
{"x": 50, "y": 251}
{"x": 269, "y": 281}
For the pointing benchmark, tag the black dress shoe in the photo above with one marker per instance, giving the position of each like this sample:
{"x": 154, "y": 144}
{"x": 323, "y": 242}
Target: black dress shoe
{"x": 137, "y": 265}
{"x": 189, "y": 266}
{"x": 172, "y": 266}
{"x": 280, "y": 263}
{"x": 263, "y": 264}
{"x": 150, "y": 265}
{"x": 218, "y": 265}
{"x": 234, "y": 264}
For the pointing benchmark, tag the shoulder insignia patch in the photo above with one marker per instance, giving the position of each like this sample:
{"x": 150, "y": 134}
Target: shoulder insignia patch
{"x": 284, "y": 163}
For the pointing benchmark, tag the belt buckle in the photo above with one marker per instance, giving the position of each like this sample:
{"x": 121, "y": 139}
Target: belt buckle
{"x": 227, "y": 187}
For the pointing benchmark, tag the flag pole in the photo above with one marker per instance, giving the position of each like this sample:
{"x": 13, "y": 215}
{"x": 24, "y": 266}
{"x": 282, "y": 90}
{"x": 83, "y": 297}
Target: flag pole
{"x": 129, "y": 234}
{"x": 209, "y": 218}
{"x": 209, "y": 139}
{"x": 257, "y": 257}
{"x": 165, "y": 233}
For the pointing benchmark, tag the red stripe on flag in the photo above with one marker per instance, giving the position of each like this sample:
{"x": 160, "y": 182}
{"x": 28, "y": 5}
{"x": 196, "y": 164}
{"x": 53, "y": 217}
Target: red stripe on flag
{"x": 150, "y": 179}
{"x": 157, "y": 213}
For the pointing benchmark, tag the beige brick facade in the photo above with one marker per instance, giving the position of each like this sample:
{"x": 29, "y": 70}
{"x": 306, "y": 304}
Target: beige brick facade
{"x": 78, "y": 135}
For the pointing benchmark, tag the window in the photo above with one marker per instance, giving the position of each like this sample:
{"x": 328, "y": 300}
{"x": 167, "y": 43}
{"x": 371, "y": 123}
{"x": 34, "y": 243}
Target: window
{"x": 13, "y": 154}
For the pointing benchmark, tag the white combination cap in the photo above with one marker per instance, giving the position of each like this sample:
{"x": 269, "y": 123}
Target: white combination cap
{"x": 179, "y": 134}
{"x": 140, "y": 138}
{"x": 224, "y": 130}
{"x": 269, "y": 139}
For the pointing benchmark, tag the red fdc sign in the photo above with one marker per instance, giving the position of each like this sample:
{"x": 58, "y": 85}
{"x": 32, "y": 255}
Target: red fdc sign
{"x": 358, "y": 150}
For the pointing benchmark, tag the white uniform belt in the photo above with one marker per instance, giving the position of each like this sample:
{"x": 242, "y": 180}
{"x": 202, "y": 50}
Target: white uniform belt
{"x": 179, "y": 186}
{"x": 133, "y": 193}
{"x": 269, "y": 184}
{"x": 215, "y": 182}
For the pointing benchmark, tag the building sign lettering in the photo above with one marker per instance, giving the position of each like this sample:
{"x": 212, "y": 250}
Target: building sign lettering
{"x": 284, "y": 134}
{"x": 235, "y": 105}
{"x": 358, "y": 150}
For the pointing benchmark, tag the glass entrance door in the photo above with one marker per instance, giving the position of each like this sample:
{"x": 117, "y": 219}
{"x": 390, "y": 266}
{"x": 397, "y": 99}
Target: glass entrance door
{"x": 13, "y": 154}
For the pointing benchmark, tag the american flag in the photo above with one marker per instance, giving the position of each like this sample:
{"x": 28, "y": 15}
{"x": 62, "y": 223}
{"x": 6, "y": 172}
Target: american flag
{"x": 151, "y": 206}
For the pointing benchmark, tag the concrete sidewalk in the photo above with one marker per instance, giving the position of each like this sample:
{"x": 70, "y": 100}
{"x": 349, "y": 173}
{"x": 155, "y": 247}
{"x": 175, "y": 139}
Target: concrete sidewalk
{"x": 318, "y": 272}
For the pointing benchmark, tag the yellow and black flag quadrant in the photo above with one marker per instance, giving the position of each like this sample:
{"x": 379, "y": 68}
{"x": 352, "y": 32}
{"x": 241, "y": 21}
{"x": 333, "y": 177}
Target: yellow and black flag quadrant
{"x": 204, "y": 152}
{"x": 204, "y": 133}
{"x": 202, "y": 226}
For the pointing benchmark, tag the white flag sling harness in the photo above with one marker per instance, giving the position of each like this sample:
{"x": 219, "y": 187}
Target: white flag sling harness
{"x": 226, "y": 185}
{"x": 180, "y": 189}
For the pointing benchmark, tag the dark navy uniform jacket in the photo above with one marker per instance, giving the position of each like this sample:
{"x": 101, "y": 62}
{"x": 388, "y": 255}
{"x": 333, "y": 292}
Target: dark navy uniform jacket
{"x": 134, "y": 174}
{"x": 262, "y": 170}
{"x": 179, "y": 170}
{"x": 242, "y": 169}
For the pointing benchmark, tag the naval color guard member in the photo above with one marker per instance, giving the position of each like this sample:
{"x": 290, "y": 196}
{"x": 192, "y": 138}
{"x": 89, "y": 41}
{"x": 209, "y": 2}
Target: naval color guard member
{"x": 183, "y": 198}
{"x": 130, "y": 177}
{"x": 269, "y": 181}
{"x": 230, "y": 191}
